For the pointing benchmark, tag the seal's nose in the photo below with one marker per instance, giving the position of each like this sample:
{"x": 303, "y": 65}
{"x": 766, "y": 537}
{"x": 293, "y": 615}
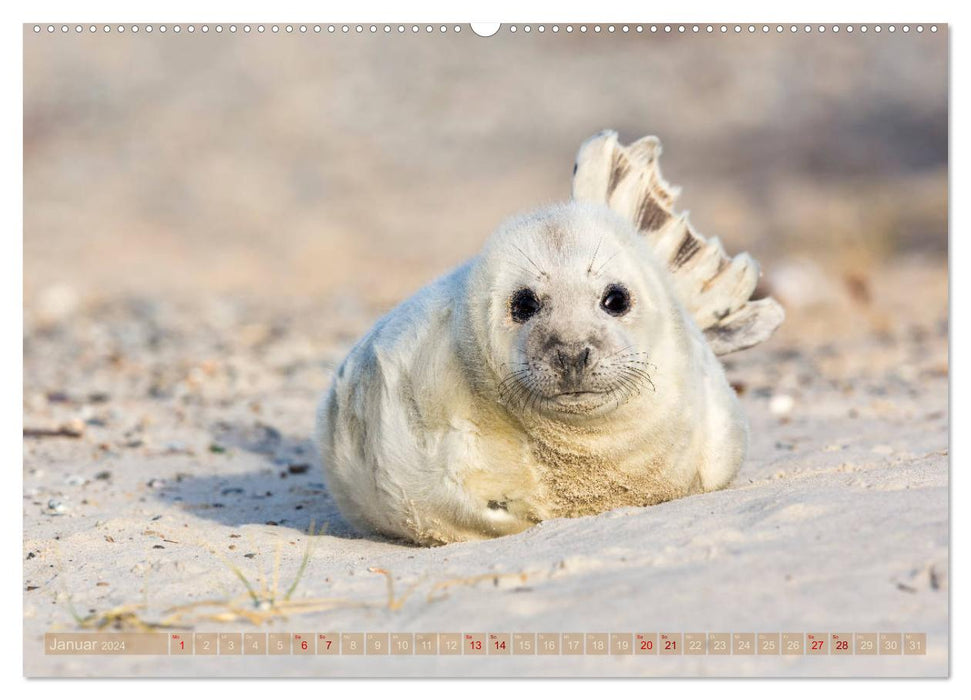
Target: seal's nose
{"x": 571, "y": 364}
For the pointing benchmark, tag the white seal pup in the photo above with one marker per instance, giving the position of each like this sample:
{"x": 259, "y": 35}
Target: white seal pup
{"x": 566, "y": 370}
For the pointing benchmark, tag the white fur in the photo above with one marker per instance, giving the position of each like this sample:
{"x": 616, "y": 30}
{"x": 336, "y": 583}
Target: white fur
{"x": 421, "y": 440}
{"x": 714, "y": 288}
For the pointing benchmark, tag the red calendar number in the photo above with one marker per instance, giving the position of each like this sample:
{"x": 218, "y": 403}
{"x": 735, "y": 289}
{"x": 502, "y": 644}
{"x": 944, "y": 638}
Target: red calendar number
{"x": 475, "y": 644}
{"x": 500, "y": 645}
{"x": 647, "y": 645}
{"x": 842, "y": 645}
{"x": 669, "y": 645}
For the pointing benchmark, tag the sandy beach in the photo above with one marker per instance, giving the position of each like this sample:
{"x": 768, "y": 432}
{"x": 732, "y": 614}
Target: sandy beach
{"x": 194, "y": 458}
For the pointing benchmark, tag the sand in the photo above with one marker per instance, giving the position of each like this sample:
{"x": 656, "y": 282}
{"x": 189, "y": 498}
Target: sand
{"x": 193, "y": 458}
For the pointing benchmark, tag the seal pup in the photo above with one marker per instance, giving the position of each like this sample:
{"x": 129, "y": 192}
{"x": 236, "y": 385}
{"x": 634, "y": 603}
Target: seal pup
{"x": 568, "y": 369}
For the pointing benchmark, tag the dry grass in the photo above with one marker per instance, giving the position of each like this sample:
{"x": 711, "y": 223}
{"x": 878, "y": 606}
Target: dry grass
{"x": 264, "y": 603}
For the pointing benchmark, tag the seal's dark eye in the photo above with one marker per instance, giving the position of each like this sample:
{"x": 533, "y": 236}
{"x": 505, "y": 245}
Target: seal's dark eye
{"x": 616, "y": 300}
{"x": 523, "y": 305}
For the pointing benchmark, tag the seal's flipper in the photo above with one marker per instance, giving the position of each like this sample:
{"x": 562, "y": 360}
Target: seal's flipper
{"x": 714, "y": 288}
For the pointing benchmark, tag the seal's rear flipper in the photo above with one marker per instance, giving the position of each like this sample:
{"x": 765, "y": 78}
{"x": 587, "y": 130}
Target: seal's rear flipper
{"x": 714, "y": 288}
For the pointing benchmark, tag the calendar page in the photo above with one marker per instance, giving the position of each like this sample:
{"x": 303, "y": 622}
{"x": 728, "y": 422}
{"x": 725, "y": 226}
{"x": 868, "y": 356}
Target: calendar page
{"x": 512, "y": 350}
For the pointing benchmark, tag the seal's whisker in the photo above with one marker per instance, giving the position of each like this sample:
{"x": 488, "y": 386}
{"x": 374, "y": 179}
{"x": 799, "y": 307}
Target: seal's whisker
{"x": 596, "y": 250}
{"x": 628, "y": 384}
{"x": 541, "y": 271}
{"x": 607, "y": 262}
{"x": 517, "y": 392}
{"x": 520, "y": 267}
{"x": 510, "y": 380}
{"x": 617, "y": 352}
{"x": 643, "y": 375}
{"x": 513, "y": 376}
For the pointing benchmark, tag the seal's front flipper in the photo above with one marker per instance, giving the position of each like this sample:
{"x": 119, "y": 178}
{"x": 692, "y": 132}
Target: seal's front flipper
{"x": 714, "y": 288}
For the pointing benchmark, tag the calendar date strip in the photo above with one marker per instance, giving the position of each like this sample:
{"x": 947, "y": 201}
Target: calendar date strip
{"x": 487, "y": 643}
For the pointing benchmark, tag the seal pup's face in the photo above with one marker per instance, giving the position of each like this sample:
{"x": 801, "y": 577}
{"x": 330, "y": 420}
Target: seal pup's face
{"x": 573, "y": 306}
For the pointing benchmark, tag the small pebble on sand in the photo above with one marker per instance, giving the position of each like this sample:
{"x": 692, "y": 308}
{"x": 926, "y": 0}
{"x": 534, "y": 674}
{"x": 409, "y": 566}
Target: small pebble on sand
{"x": 56, "y": 507}
{"x": 781, "y": 405}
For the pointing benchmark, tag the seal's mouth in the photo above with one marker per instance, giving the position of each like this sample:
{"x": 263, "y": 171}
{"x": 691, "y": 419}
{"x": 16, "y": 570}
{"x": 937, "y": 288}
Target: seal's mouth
{"x": 578, "y": 403}
{"x": 534, "y": 388}
{"x": 577, "y": 398}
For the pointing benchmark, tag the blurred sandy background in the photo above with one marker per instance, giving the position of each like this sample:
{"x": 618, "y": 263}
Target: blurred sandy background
{"x": 211, "y": 221}
{"x": 304, "y": 164}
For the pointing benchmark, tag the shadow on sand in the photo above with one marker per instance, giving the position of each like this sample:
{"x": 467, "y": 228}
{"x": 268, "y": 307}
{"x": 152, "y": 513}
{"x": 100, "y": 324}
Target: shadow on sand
{"x": 288, "y": 491}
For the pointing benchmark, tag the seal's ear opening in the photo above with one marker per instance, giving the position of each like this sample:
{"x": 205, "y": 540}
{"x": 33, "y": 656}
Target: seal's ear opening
{"x": 714, "y": 288}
